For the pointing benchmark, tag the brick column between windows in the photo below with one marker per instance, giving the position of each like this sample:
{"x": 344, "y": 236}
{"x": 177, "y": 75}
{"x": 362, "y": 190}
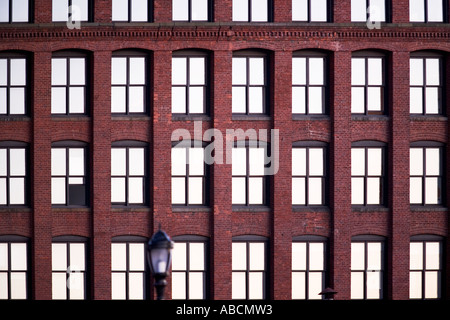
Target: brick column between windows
{"x": 282, "y": 11}
{"x": 162, "y": 11}
{"x": 221, "y": 220}
{"x": 400, "y": 11}
{"x": 281, "y": 249}
{"x": 41, "y": 180}
{"x": 340, "y": 160}
{"x": 102, "y": 11}
{"x": 101, "y": 170}
{"x": 223, "y": 10}
{"x": 342, "y": 11}
{"x": 42, "y": 11}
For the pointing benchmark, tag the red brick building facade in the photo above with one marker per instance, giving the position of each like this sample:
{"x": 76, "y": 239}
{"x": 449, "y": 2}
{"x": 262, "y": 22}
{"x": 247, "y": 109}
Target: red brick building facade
{"x": 396, "y": 221}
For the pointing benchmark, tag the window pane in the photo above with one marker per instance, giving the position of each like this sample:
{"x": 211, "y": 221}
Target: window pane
{"x": 17, "y": 191}
{"x": 60, "y": 10}
{"x": 59, "y": 286}
{"x": 136, "y": 161}
{"x": 3, "y": 103}
{"x": 4, "y": 10}
{"x": 199, "y": 10}
{"x": 431, "y": 285}
{"x": 76, "y": 161}
{"x": 18, "y": 256}
{"x": 432, "y": 191}
{"x": 238, "y": 190}
{"x": 3, "y": 192}
{"x": 416, "y": 72}
{"x": 298, "y": 285}
{"x": 195, "y": 190}
{"x": 197, "y": 71}
{"x": 196, "y": 161}
{"x": 255, "y": 285}
{"x": 77, "y": 71}
{"x": 196, "y": 99}
{"x": 118, "y": 99}
{"x": 256, "y": 256}
{"x": 76, "y": 100}
{"x": 17, "y": 162}
{"x": 117, "y": 189}
{"x": 58, "y": 190}
{"x": 256, "y": 191}
{"x": 416, "y": 10}
{"x": 179, "y": 256}
{"x": 298, "y": 101}
{"x": 298, "y": 256}
{"x": 58, "y": 100}
{"x": 316, "y": 161}
{"x": 256, "y": 161}
{"x": 435, "y": 11}
{"x": 298, "y": 191}
{"x": 357, "y": 262}
{"x": 137, "y": 70}
{"x": 415, "y": 285}
{"x": 415, "y": 190}
{"x": 238, "y": 284}
{"x": 416, "y": 255}
{"x": 298, "y": 161}
{"x": 259, "y": 10}
{"x": 416, "y": 161}
{"x": 240, "y": 10}
{"x": 119, "y": 10}
{"x": 239, "y": 72}
{"x": 300, "y": 10}
{"x": 415, "y": 100}
{"x": 358, "y": 9}
{"x": 118, "y": 286}
{"x": 316, "y": 96}
{"x": 180, "y": 10}
{"x": 118, "y": 161}
{"x": 319, "y": 10}
{"x": 80, "y": 13}
{"x": 118, "y": 257}
{"x": 17, "y": 100}
{"x": 432, "y": 161}
{"x": 178, "y": 285}
{"x": 373, "y": 285}
{"x": 76, "y": 285}
{"x": 18, "y": 285}
{"x": 357, "y": 100}
{"x": 432, "y": 256}
{"x": 77, "y": 260}
{"x": 374, "y": 161}
{"x": 432, "y": 72}
{"x": 256, "y": 69}
{"x": 377, "y": 10}
{"x": 59, "y": 69}
{"x": 136, "y": 190}
{"x": 119, "y": 70}
{"x": 197, "y": 256}
{"x": 239, "y": 256}
{"x": 315, "y": 191}
{"x": 137, "y": 254}
{"x": 18, "y": 72}
{"x": 58, "y": 161}
{"x": 358, "y": 161}
{"x": 59, "y": 257}
{"x": 256, "y": 100}
{"x": 3, "y": 256}
{"x": 3, "y": 162}
{"x": 239, "y": 103}
{"x": 357, "y": 285}
{"x": 373, "y": 190}
{"x": 299, "y": 71}
{"x": 178, "y": 191}
{"x": 179, "y": 100}
{"x": 358, "y": 71}
{"x": 136, "y": 99}
{"x": 374, "y": 255}
{"x": 316, "y": 254}
{"x": 357, "y": 190}
{"x": 178, "y": 161}
{"x": 196, "y": 285}
{"x": 139, "y": 10}
{"x": 136, "y": 286}
{"x": 315, "y": 286}
{"x": 179, "y": 70}
{"x": 316, "y": 72}
{"x": 432, "y": 100}
{"x": 239, "y": 161}
{"x": 375, "y": 71}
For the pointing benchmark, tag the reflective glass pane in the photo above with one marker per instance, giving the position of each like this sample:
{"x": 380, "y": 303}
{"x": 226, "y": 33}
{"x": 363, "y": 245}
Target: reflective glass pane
{"x": 76, "y": 284}
{"x": 136, "y": 286}
{"x": 316, "y": 161}
{"x": 298, "y": 100}
{"x": 239, "y": 100}
{"x": 432, "y": 161}
{"x": 238, "y": 285}
{"x": 377, "y": 10}
{"x": 18, "y": 256}
{"x": 179, "y": 100}
{"x": 118, "y": 161}
{"x": 18, "y": 72}
{"x": 239, "y": 256}
{"x": 374, "y": 98}
{"x": 256, "y": 161}
{"x": 76, "y": 100}
{"x": 58, "y": 161}
{"x": 256, "y": 100}
{"x": 240, "y": 10}
{"x": 179, "y": 71}
{"x": 17, "y": 191}
{"x": 3, "y": 256}
{"x": 358, "y": 254}
{"x": 255, "y": 285}
{"x": 433, "y": 254}
{"x": 416, "y": 255}
{"x": 432, "y": 72}
{"x": 357, "y": 100}
{"x": 3, "y": 162}
{"x": 374, "y": 161}
{"x": 136, "y": 99}
{"x": 117, "y": 189}
{"x": 319, "y": 10}
{"x": 197, "y": 71}
{"x": 196, "y": 99}
{"x": 77, "y": 71}
{"x": 432, "y": 190}
{"x": 118, "y": 257}
{"x": 415, "y": 100}
{"x": 178, "y": 285}
{"x": 195, "y": 186}
{"x": 238, "y": 190}
{"x": 256, "y": 69}
{"x": 196, "y": 285}
{"x": 416, "y": 10}
{"x": 77, "y": 258}
{"x": 375, "y": 71}
{"x": 415, "y": 285}
{"x": 299, "y": 10}
{"x": 118, "y": 286}
{"x": 298, "y": 256}
{"x": 4, "y": 10}
{"x": 357, "y": 190}
{"x": 432, "y": 100}
{"x": 358, "y": 71}
{"x": 357, "y": 285}
{"x": 118, "y": 99}
{"x": 199, "y": 10}
{"x": 358, "y": 9}
{"x": 137, "y": 255}
{"x": 431, "y": 285}
{"x": 435, "y": 11}
{"x": 76, "y": 161}
{"x": 180, "y": 10}
{"x": 256, "y": 253}
{"x": 373, "y": 285}
{"x": 373, "y": 190}
{"x": 298, "y": 191}
{"x": 416, "y": 72}
{"x": 298, "y": 285}
{"x": 80, "y": 10}
{"x": 59, "y": 69}
{"x": 299, "y": 71}
{"x": 18, "y": 285}
{"x": 196, "y": 161}
{"x": 17, "y": 100}
{"x": 179, "y": 256}
{"x": 3, "y": 101}
{"x": 135, "y": 190}
{"x": 259, "y": 10}
{"x": 316, "y": 71}
{"x": 139, "y": 10}
{"x": 17, "y": 162}
{"x": 239, "y": 72}
{"x": 374, "y": 255}
{"x": 137, "y": 70}
{"x": 239, "y": 161}
{"x": 58, "y": 190}
{"x": 59, "y": 257}
{"x": 60, "y": 10}
{"x": 298, "y": 161}
{"x": 358, "y": 161}
{"x": 316, "y": 96}
{"x": 415, "y": 190}
{"x": 316, "y": 255}
{"x": 256, "y": 191}
{"x": 178, "y": 191}
{"x": 118, "y": 70}
{"x": 59, "y": 286}
{"x": 315, "y": 191}
{"x": 178, "y": 161}
{"x": 136, "y": 161}
{"x": 119, "y": 10}
{"x": 3, "y": 191}
{"x": 197, "y": 256}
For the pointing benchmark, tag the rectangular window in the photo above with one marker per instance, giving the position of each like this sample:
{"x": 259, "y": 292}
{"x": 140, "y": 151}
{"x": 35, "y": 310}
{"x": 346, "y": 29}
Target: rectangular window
{"x": 69, "y": 85}
{"x": 425, "y": 175}
{"x": 13, "y": 270}
{"x": 249, "y": 85}
{"x": 425, "y": 275}
{"x": 13, "y": 176}
{"x": 189, "y": 174}
{"x": 128, "y": 176}
{"x": 368, "y": 86}
{"x": 68, "y": 271}
{"x": 310, "y": 10}
{"x": 308, "y": 176}
{"x": 249, "y": 182}
{"x": 129, "y": 85}
{"x": 248, "y": 279}
{"x": 367, "y": 175}
{"x": 426, "y": 11}
{"x": 189, "y": 270}
{"x": 426, "y": 85}
{"x": 368, "y": 10}
{"x": 189, "y": 94}
{"x": 70, "y": 10}
{"x": 14, "y": 11}
{"x": 308, "y": 85}
{"x": 130, "y": 10}
{"x": 367, "y": 269}
{"x": 13, "y": 86}
{"x": 308, "y": 269}
{"x": 69, "y": 181}
{"x": 128, "y": 277}
{"x": 251, "y": 10}
{"x": 190, "y": 10}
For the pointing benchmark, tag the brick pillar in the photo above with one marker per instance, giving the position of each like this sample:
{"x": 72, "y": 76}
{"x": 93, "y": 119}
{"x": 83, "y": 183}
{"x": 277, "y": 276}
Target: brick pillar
{"x": 446, "y": 264}
{"x": 161, "y": 148}
{"x": 400, "y": 11}
{"x": 41, "y": 179}
{"x": 102, "y": 10}
{"x": 162, "y": 11}
{"x": 223, "y": 11}
{"x": 341, "y": 11}
{"x": 282, "y": 11}
{"x": 340, "y": 159}
{"x": 42, "y": 11}
{"x": 221, "y": 194}
{"x": 282, "y": 198}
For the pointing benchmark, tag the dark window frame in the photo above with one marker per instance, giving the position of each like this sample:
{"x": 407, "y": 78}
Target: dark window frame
{"x": 325, "y": 179}
{"x": 8, "y": 145}
{"x": 366, "y": 145}
{"x": 68, "y": 55}
{"x": 366, "y": 55}
{"x": 366, "y": 239}
{"x": 10, "y": 14}
{"x": 187, "y": 144}
{"x": 67, "y": 145}
{"x": 67, "y": 240}
{"x": 441, "y": 178}
{"x": 188, "y": 239}
{"x": 127, "y": 240}
{"x": 308, "y": 239}
{"x": 9, "y": 239}
{"x": 308, "y": 54}
{"x": 248, "y": 239}
{"x": 127, "y": 145}
{"x": 188, "y": 54}
{"x": 128, "y": 54}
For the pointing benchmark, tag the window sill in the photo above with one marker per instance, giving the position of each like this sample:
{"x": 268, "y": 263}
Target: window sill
{"x": 371, "y": 208}
{"x": 7, "y": 118}
{"x": 298, "y": 208}
{"x": 70, "y": 117}
{"x": 251, "y": 208}
{"x": 71, "y": 209}
{"x": 130, "y": 209}
{"x": 133, "y": 117}
{"x": 15, "y": 209}
{"x": 357, "y": 117}
{"x": 310, "y": 117}
{"x": 191, "y": 209}
{"x": 252, "y": 117}
{"x": 428, "y": 117}
{"x": 428, "y": 208}
{"x": 190, "y": 117}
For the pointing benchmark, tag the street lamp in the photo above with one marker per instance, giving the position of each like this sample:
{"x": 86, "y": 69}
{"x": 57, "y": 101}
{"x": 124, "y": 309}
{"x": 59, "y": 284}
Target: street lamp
{"x": 159, "y": 257}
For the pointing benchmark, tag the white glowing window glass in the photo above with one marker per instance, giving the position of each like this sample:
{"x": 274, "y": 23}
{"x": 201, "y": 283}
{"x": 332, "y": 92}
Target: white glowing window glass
{"x": 130, "y": 10}
{"x": 310, "y": 10}
{"x": 426, "y": 11}
{"x": 425, "y": 175}
{"x": 363, "y": 10}
{"x": 13, "y": 172}
{"x": 425, "y": 86}
{"x": 13, "y": 270}
{"x": 190, "y": 10}
{"x": 14, "y": 11}
{"x": 13, "y": 86}
{"x": 70, "y": 10}
{"x": 250, "y": 10}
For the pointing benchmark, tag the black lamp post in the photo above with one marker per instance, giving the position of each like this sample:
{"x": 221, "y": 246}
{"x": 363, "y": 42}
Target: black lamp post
{"x": 159, "y": 257}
